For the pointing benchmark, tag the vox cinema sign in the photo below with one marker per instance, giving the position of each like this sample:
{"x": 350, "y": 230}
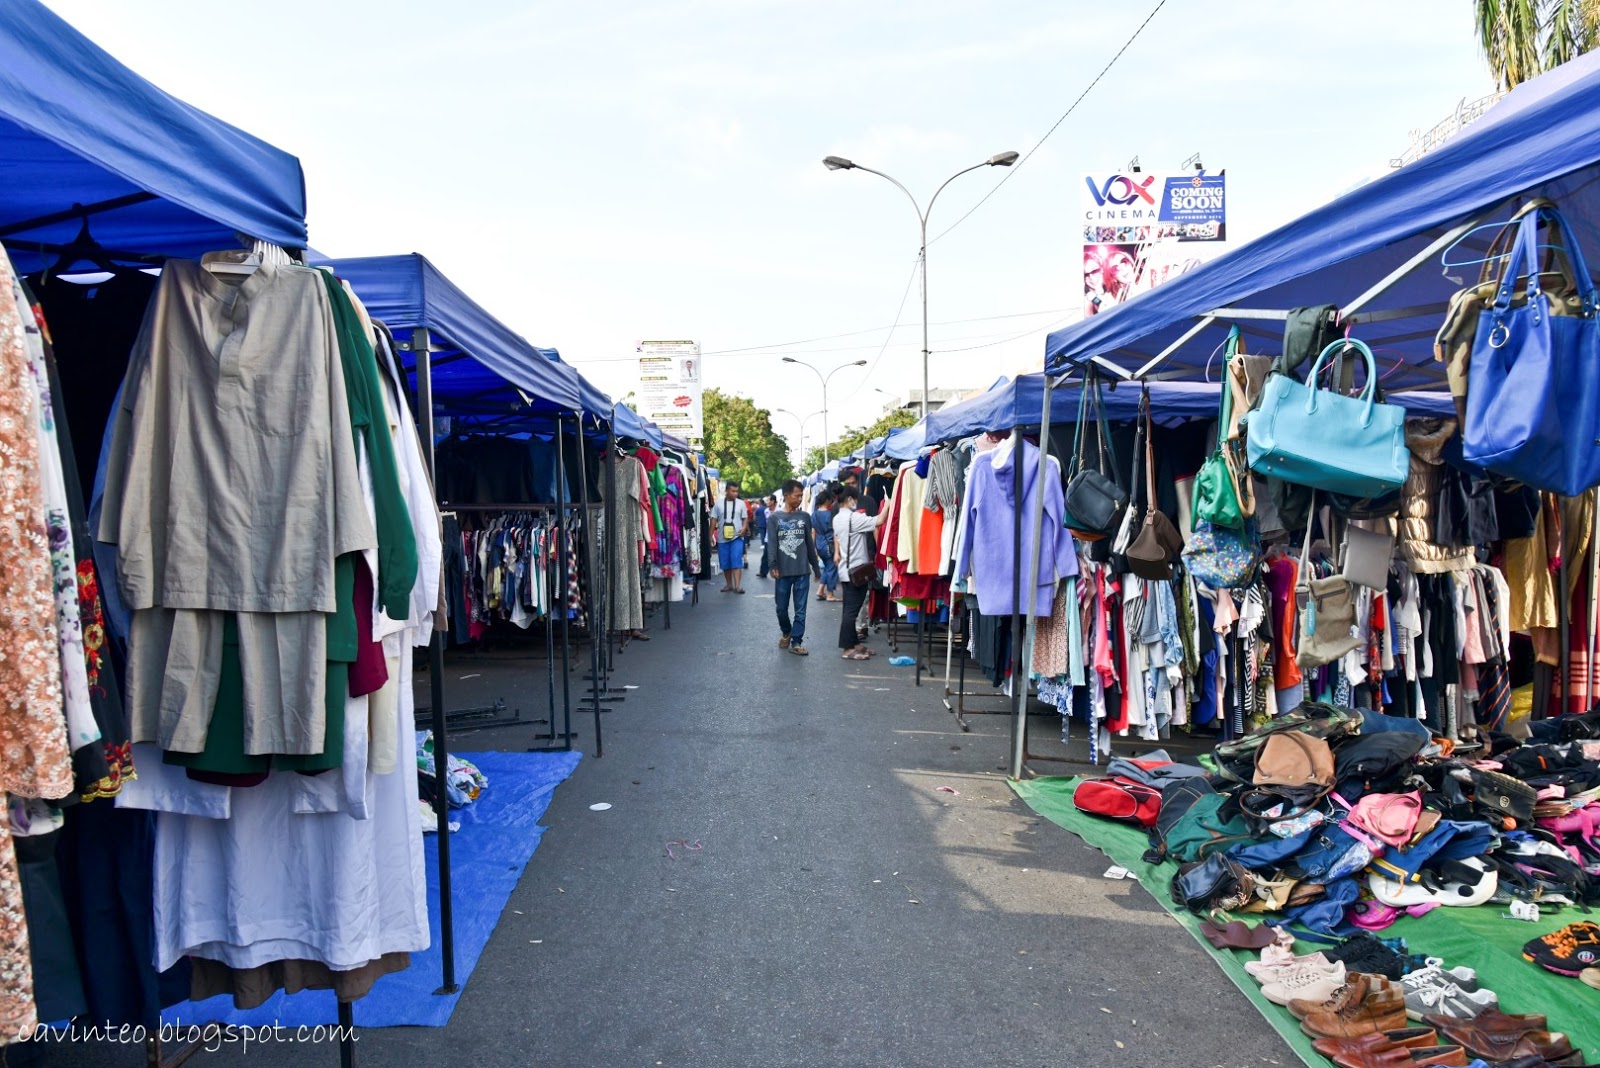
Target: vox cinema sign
{"x": 1140, "y": 207}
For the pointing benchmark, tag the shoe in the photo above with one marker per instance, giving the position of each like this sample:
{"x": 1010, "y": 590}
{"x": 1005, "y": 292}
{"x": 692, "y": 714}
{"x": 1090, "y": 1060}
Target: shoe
{"x": 1432, "y": 990}
{"x": 1495, "y": 1020}
{"x": 1356, "y": 988}
{"x": 1591, "y": 977}
{"x": 1378, "y": 1011}
{"x": 783, "y": 642}
{"x": 1506, "y": 1045}
{"x": 799, "y": 650}
{"x": 1402, "y": 1057}
{"x": 1274, "y": 958}
{"x": 1412, "y": 1037}
{"x": 1568, "y": 951}
{"x": 1309, "y": 983}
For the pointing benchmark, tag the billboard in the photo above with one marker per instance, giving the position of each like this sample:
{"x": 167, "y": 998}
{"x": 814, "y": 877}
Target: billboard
{"x": 669, "y": 387}
{"x": 1141, "y": 229}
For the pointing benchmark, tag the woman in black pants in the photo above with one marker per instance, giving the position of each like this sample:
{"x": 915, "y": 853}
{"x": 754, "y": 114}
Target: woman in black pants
{"x": 853, "y": 547}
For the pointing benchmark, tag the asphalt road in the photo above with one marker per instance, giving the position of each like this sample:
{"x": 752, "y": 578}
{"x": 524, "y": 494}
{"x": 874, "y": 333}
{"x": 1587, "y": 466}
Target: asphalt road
{"x": 867, "y": 891}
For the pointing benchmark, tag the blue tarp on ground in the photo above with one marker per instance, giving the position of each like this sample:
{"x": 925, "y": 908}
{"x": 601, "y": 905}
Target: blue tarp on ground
{"x": 1543, "y": 139}
{"x": 1020, "y": 402}
{"x": 498, "y": 836}
{"x": 77, "y": 127}
{"x": 480, "y": 365}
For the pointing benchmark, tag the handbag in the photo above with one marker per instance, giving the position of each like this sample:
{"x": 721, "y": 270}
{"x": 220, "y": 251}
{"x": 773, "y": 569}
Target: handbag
{"x": 1158, "y": 541}
{"x": 1116, "y": 798}
{"x": 1219, "y": 497}
{"x": 1223, "y": 559}
{"x": 1323, "y": 439}
{"x": 1327, "y": 611}
{"x": 1093, "y": 504}
{"x": 1214, "y": 884}
{"x": 1533, "y": 387}
{"x": 1366, "y": 556}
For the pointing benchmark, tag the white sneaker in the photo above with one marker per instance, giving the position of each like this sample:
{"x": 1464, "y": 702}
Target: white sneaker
{"x": 1311, "y": 983}
{"x": 1276, "y": 959}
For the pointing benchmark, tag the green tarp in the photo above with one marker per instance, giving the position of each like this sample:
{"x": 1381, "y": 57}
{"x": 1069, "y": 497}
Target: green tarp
{"x": 1477, "y": 937}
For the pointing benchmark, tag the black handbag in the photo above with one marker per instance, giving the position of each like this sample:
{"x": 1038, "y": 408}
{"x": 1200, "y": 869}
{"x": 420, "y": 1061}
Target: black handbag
{"x": 1464, "y": 510}
{"x": 1215, "y": 883}
{"x": 1094, "y": 503}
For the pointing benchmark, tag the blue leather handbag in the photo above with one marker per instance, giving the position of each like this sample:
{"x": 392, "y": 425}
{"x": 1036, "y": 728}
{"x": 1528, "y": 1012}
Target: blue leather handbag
{"x": 1533, "y": 387}
{"x": 1325, "y": 440}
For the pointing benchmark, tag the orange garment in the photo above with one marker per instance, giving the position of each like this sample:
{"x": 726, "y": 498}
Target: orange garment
{"x": 930, "y": 542}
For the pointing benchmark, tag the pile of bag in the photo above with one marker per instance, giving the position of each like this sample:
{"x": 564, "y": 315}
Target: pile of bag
{"x": 1341, "y": 820}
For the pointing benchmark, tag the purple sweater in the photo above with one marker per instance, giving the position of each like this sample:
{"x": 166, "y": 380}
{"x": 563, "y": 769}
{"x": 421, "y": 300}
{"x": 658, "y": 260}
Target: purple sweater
{"x": 991, "y": 517}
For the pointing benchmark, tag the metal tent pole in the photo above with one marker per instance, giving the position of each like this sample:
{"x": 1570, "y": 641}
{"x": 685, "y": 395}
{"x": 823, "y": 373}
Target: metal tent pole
{"x": 588, "y": 544}
{"x": 564, "y": 543}
{"x": 1019, "y": 720}
{"x": 1019, "y": 690}
{"x": 421, "y": 345}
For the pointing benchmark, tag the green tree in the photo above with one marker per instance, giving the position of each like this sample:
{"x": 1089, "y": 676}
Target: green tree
{"x": 856, "y": 437}
{"x": 1524, "y": 38}
{"x": 741, "y": 444}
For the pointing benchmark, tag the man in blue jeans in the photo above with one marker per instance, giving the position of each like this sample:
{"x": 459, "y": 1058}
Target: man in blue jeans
{"x": 792, "y": 555}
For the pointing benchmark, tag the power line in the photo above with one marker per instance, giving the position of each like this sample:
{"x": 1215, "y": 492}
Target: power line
{"x": 1003, "y": 341}
{"x": 887, "y": 337}
{"x": 873, "y": 330}
{"x": 1011, "y": 171}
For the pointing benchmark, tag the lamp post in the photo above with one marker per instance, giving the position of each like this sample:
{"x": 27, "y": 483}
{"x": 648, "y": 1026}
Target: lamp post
{"x": 800, "y": 420}
{"x": 823, "y": 378}
{"x": 839, "y": 163}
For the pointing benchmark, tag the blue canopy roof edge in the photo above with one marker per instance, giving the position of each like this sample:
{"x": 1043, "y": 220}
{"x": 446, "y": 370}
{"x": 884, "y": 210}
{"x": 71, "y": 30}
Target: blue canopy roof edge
{"x": 79, "y": 128}
{"x": 594, "y": 402}
{"x": 1021, "y": 403}
{"x": 1370, "y": 250}
{"x": 905, "y": 442}
{"x": 626, "y": 423}
{"x": 407, "y": 292}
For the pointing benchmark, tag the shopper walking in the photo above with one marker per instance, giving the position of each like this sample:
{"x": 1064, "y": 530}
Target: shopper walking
{"x": 854, "y": 548}
{"x": 822, "y": 524}
{"x": 760, "y": 512}
{"x": 733, "y": 527}
{"x": 792, "y": 554}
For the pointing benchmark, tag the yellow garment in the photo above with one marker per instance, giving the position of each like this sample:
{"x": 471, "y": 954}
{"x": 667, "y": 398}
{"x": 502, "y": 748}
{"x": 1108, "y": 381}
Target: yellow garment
{"x": 1533, "y": 606}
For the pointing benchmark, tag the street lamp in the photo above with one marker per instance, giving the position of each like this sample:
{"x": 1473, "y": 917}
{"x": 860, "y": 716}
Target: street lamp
{"x": 824, "y": 379}
{"x": 802, "y": 421}
{"x": 839, "y": 163}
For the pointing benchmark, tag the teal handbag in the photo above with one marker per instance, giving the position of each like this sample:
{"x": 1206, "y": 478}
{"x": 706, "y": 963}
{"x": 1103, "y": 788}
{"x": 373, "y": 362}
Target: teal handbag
{"x": 1323, "y": 439}
{"x": 1216, "y": 486}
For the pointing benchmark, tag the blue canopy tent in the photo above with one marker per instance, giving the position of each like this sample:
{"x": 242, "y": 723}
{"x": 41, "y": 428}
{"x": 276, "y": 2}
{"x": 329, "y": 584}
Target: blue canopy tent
{"x": 479, "y": 366}
{"x": 81, "y": 135}
{"x": 1374, "y": 252}
{"x": 593, "y": 402}
{"x": 627, "y": 424}
{"x": 874, "y": 448}
{"x": 906, "y": 441}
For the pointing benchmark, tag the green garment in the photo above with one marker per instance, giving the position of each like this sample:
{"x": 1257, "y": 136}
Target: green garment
{"x": 658, "y": 490}
{"x": 397, "y": 542}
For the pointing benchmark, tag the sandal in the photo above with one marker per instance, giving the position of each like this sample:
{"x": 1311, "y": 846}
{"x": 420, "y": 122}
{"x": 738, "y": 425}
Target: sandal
{"x": 852, "y": 655}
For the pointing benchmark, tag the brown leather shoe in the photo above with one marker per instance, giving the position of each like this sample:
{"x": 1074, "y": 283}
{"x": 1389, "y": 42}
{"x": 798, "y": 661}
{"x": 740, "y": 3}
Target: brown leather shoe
{"x": 1410, "y": 1037}
{"x": 1357, "y": 986}
{"x": 1494, "y": 1020}
{"x": 1404, "y": 1057}
{"x": 1380, "y": 1011}
{"x": 1507, "y": 1045}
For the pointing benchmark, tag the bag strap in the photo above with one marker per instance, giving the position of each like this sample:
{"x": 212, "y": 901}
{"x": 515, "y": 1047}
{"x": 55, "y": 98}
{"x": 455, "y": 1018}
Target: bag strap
{"x": 1083, "y": 410}
{"x": 1225, "y": 404}
{"x": 1149, "y": 447}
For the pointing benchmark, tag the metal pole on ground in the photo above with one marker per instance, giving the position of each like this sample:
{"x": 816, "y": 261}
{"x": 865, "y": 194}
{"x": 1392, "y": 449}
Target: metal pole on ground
{"x": 594, "y": 615}
{"x": 564, "y": 544}
{"x": 1019, "y": 682}
{"x": 421, "y": 344}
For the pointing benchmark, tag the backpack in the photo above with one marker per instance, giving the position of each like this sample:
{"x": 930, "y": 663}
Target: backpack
{"x": 1116, "y": 798}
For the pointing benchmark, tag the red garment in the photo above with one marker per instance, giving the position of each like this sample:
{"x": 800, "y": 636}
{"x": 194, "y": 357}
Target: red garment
{"x": 371, "y": 670}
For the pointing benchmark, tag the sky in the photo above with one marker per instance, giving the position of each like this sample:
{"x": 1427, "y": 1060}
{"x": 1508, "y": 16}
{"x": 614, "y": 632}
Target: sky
{"x": 598, "y": 174}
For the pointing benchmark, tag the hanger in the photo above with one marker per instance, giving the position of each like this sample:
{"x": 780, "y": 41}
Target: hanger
{"x": 235, "y": 262}
{"x": 1533, "y": 205}
{"x": 83, "y": 249}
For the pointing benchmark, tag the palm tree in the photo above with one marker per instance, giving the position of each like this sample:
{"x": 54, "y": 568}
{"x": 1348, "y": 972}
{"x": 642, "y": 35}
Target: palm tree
{"x": 1525, "y": 38}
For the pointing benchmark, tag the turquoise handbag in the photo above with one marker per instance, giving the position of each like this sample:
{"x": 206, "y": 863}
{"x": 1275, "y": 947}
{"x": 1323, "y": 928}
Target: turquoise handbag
{"x": 1325, "y": 440}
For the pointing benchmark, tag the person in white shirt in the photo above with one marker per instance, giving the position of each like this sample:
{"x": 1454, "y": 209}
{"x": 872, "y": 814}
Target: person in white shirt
{"x": 854, "y": 548}
{"x": 733, "y": 524}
